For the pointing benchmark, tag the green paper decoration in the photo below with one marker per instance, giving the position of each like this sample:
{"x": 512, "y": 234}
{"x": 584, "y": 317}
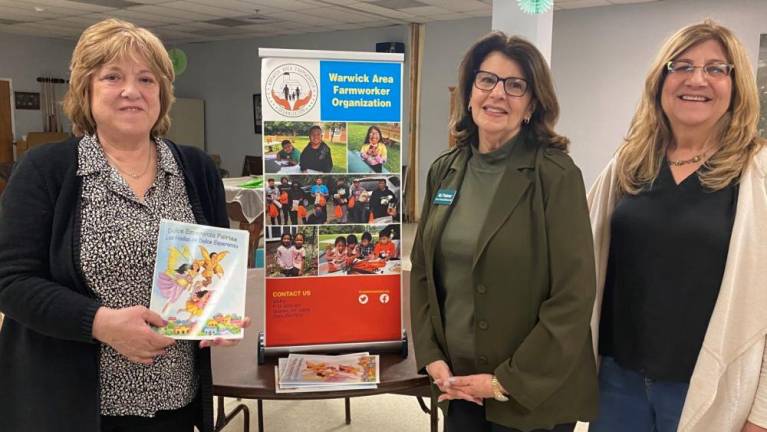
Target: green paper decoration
{"x": 256, "y": 182}
{"x": 178, "y": 57}
{"x": 535, "y": 7}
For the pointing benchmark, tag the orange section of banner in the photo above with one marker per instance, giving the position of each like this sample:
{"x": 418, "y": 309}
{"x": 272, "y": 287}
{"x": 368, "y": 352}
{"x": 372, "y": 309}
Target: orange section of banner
{"x": 324, "y": 310}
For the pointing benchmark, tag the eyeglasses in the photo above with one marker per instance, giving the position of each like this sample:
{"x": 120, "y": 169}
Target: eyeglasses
{"x": 513, "y": 86}
{"x": 712, "y": 70}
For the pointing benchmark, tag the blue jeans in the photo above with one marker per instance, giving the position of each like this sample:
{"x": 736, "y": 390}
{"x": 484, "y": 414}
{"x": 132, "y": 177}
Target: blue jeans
{"x": 632, "y": 402}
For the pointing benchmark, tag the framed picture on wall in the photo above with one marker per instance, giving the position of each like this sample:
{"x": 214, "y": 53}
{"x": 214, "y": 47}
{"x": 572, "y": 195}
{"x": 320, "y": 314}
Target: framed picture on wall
{"x": 27, "y": 100}
{"x": 257, "y": 118}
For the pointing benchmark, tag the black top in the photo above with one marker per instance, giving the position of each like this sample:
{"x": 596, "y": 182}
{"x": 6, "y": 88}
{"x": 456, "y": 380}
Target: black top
{"x": 318, "y": 159}
{"x": 668, "y": 250}
{"x": 295, "y": 194}
{"x": 47, "y": 355}
{"x": 380, "y": 201}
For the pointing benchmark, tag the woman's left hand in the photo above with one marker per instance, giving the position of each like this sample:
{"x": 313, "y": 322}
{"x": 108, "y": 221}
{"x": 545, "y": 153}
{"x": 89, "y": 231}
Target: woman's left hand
{"x": 477, "y": 386}
{"x": 750, "y": 427}
{"x": 221, "y": 342}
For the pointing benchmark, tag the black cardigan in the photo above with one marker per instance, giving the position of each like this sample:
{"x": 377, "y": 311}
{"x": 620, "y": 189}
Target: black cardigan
{"x": 49, "y": 370}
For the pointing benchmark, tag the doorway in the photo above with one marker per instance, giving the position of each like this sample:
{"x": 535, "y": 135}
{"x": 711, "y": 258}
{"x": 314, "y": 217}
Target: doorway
{"x": 6, "y": 121}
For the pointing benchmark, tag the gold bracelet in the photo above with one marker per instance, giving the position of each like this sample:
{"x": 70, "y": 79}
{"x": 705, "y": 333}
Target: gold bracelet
{"x": 497, "y": 392}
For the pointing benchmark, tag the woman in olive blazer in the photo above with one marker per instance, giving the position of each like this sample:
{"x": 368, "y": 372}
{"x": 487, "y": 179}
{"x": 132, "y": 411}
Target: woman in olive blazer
{"x": 530, "y": 268}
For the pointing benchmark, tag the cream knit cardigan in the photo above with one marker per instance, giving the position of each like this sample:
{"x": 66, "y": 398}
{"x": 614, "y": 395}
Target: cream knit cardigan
{"x": 729, "y": 383}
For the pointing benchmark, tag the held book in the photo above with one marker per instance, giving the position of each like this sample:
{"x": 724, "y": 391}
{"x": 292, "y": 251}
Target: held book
{"x": 199, "y": 281}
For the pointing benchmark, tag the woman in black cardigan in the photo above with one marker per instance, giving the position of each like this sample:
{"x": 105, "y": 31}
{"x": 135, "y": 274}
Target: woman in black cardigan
{"x": 78, "y": 230}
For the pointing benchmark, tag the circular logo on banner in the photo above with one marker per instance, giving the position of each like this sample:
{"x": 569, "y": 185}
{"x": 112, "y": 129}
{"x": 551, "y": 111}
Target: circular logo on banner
{"x": 384, "y": 298}
{"x": 291, "y": 90}
{"x": 363, "y": 298}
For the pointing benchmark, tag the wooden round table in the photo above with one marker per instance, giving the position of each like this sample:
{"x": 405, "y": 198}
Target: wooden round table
{"x": 236, "y": 372}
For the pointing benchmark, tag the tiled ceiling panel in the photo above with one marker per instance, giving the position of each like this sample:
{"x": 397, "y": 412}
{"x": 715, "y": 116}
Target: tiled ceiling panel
{"x": 178, "y": 21}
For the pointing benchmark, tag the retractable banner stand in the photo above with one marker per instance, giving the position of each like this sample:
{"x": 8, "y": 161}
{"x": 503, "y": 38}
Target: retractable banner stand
{"x": 332, "y": 145}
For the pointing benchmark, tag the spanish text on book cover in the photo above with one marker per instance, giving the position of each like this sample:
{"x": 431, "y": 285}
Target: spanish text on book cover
{"x": 199, "y": 281}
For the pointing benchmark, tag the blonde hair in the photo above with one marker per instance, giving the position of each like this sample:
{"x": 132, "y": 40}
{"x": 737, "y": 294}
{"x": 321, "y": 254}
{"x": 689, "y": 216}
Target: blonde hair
{"x": 537, "y": 74}
{"x": 640, "y": 156}
{"x": 102, "y": 43}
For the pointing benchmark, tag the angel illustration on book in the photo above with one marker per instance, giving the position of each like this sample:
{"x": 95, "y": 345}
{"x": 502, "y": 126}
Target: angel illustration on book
{"x": 196, "y": 302}
{"x": 179, "y": 276}
{"x": 210, "y": 265}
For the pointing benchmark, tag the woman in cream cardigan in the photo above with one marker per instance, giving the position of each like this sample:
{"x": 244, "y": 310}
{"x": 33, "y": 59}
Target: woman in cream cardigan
{"x": 680, "y": 235}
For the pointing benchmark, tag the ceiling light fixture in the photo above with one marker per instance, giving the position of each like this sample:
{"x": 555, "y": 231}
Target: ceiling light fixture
{"x": 535, "y": 7}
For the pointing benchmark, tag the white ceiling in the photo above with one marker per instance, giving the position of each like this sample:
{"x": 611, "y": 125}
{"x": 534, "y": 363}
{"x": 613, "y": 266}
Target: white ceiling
{"x": 184, "y": 21}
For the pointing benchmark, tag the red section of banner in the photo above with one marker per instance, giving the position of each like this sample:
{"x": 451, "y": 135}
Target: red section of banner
{"x": 322, "y": 310}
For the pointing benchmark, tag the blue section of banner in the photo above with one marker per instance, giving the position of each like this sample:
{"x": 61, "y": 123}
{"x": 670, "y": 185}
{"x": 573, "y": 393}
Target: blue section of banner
{"x": 360, "y": 91}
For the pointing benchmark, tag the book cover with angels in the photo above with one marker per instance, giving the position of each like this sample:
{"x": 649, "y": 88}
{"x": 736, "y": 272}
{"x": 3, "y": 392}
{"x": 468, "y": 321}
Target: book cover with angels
{"x": 199, "y": 281}
{"x": 326, "y": 370}
{"x": 281, "y": 387}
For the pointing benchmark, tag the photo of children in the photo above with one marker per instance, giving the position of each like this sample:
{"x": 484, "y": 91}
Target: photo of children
{"x": 305, "y": 147}
{"x": 374, "y": 148}
{"x": 332, "y": 199}
{"x": 291, "y": 251}
{"x": 359, "y": 249}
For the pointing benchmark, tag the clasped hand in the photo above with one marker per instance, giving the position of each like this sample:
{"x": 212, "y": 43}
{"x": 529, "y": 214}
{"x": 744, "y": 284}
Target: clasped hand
{"x": 473, "y": 388}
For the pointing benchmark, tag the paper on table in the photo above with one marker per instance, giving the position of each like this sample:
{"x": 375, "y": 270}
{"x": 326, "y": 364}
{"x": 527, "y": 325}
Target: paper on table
{"x": 305, "y": 369}
{"x": 281, "y": 388}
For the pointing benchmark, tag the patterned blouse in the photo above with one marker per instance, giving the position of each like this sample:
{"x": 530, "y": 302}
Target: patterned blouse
{"x": 118, "y": 242}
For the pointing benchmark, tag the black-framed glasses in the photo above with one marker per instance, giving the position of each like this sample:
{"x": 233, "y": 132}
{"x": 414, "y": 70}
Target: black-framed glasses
{"x": 711, "y": 70}
{"x": 513, "y": 86}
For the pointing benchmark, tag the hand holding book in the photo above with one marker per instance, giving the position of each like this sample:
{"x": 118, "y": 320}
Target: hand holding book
{"x": 221, "y": 342}
{"x": 127, "y": 331}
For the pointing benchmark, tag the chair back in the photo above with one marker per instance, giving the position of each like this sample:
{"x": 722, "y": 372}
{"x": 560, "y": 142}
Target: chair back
{"x": 252, "y": 165}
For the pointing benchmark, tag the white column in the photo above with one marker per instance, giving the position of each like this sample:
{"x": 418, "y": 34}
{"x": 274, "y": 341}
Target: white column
{"x": 509, "y": 18}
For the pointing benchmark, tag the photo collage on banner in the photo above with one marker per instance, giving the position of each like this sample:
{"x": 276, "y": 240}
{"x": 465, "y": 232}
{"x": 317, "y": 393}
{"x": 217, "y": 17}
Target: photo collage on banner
{"x": 332, "y": 145}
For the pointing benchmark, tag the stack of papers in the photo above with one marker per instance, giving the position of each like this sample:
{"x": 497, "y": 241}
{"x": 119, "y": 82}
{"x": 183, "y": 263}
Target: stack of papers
{"x": 321, "y": 373}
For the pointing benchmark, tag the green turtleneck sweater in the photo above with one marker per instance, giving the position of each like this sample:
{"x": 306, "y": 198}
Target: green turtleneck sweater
{"x": 455, "y": 252}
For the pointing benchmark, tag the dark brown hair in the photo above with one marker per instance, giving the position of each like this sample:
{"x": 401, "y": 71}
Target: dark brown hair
{"x": 537, "y": 74}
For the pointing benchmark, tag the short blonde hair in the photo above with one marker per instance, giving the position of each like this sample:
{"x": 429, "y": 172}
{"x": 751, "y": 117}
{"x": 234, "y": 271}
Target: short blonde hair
{"x": 540, "y": 84}
{"x": 102, "y": 43}
{"x": 641, "y": 155}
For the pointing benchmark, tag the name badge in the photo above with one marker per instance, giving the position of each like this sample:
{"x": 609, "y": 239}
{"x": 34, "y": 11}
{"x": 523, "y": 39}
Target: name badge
{"x": 444, "y": 197}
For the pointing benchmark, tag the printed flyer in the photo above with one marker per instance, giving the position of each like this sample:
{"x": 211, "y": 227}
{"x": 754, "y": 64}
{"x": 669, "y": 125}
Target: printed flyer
{"x": 329, "y": 370}
{"x": 301, "y": 373}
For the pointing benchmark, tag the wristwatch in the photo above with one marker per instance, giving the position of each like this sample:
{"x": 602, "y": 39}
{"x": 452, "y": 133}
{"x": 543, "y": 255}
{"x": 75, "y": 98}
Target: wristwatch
{"x": 497, "y": 392}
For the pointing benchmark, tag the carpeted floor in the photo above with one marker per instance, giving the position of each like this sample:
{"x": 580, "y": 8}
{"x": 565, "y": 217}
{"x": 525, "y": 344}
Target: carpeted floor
{"x": 383, "y": 413}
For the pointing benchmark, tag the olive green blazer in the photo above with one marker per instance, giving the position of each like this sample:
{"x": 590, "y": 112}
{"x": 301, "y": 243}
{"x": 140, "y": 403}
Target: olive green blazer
{"x": 534, "y": 286}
